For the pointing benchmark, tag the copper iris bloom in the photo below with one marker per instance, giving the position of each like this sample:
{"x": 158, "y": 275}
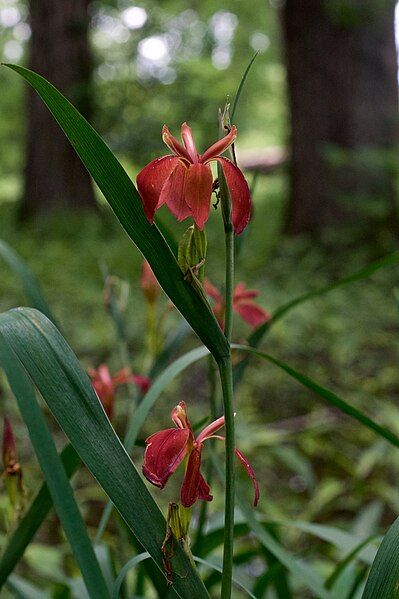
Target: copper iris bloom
{"x": 243, "y": 304}
{"x": 167, "y": 449}
{"x": 105, "y": 385}
{"x": 183, "y": 180}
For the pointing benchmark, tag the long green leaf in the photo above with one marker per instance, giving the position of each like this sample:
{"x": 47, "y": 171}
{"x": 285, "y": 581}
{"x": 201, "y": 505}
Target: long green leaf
{"x": 54, "y": 472}
{"x": 217, "y": 567}
{"x": 33, "y": 518}
{"x": 125, "y": 201}
{"x": 329, "y": 396}
{"x": 137, "y": 559}
{"x": 383, "y": 580}
{"x": 256, "y": 337}
{"x": 296, "y": 566}
{"x": 241, "y": 85}
{"x": 28, "y": 280}
{"x": 65, "y": 387}
{"x": 364, "y": 273}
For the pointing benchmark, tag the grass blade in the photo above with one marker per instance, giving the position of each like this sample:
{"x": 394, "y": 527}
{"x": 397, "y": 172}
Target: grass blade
{"x": 364, "y": 273}
{"x": 384, "y": 574}
{"x": 241, "y": 85}
{"x": 65, "y": 387}
{"x": 33, "y": 518}
{"x": 122, "y": 196}
{"x": 137, "y": 559}
{"x": 329, "y": 396}
{"x": 28, "y": 280}
{"x": 296, "y": 566}
{"x": 54, "y": 473}
{"x": 256, "y": 337}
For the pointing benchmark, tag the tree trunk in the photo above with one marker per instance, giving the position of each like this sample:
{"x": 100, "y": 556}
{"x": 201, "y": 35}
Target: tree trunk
{"x": 54, "y": 176}
{"x": 343, "y": 95}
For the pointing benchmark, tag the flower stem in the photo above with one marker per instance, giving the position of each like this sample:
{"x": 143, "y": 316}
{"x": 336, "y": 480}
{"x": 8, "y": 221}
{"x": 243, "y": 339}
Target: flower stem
{"x": 202, "y": 517}
{"x": 226, "y": 375}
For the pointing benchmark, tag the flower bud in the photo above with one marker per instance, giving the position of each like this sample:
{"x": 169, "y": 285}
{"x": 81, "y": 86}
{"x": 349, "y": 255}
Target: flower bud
{"x": 192, "y": 253}
{"x": 149, "y": 284}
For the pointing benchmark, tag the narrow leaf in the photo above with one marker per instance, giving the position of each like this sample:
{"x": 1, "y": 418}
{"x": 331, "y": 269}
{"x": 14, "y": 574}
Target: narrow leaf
{"x": 28, "y": 280}
{"x": 33, "y": 518}
{"x": 329, "y": 396}
{"x": 65, "y": 387}
{"x": 125, "y": 201}
{"x": 384, "y": 574}
{"x": 54, "y": 473}
{"x": 256, "y": 337}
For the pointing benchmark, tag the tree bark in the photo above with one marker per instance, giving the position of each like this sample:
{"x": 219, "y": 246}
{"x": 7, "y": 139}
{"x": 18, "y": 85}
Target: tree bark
{"x": 343, "y": 96}
{"x": 59, "y": 50}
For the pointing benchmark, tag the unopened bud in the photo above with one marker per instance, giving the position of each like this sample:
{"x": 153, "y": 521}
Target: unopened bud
{"x": 149, "y": 284}
{"x": 192, "y": 253}
{"x": 12, "y": 472}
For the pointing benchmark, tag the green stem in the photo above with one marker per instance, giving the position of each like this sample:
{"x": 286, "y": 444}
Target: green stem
{"x": 229, "y": 241}
{"x": 226, "y": 375}
{"x": 208, "y": 477}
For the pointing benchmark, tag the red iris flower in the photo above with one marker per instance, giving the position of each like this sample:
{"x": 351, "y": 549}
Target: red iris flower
{"x": 166, "y": 450}
{"x": 183, "y": 180}
{"x": 243, "y": 304}
{"x": 105, "y": 385}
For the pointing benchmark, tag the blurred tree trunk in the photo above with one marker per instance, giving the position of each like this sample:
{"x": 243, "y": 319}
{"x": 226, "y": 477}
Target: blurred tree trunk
{"x": 343, "y": 95}
{"x": 59, "y": 50}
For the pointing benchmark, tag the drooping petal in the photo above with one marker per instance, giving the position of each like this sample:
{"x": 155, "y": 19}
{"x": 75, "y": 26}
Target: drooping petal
{"x": 241, "y": 292}
{"x": 220, "y": 146}
{"x": 253, "y": 314}
{"x": 142, "y": 382}
{"x": 210, "y": 430}
{"x": 239, "y": 193}
{"x": 173, "y": 144}
{"x": 164, "y": 452}
{"x": 190, "y": 488}
{"x": 248, "y": 469}
{"x": 188, "y": 140}
{"x": 204, "y": 490}
{"x": 198, "y": 192}
{"x": 250, "y": 473}
{"x": 150, "y": 181}
{"x": 173, "y": 193}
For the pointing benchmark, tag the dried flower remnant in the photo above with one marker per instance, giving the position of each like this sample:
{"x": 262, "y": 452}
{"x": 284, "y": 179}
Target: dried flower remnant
{"x": 183, "y": 180}
{"x": 11, "y": 465}
{"x": 166, "y": 449}
{"x": 105, "y": 385}
{"x": 243, "y": 304}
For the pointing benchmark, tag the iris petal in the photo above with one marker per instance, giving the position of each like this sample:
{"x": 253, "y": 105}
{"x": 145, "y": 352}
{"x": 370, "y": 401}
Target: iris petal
{"x": 151, "y": 180}
{"x": 164, "y": 452}
{"x": 173, "y": 193}
{"x": 251, "y": 313}
{"x": 220, "y": 146}
{"x": 239, "y": 193}
{"x": 192, "y": 478}
{"x": 198, "y": 192}
{"x": 173, "y": 144}
{"x": 188, "y": 140}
